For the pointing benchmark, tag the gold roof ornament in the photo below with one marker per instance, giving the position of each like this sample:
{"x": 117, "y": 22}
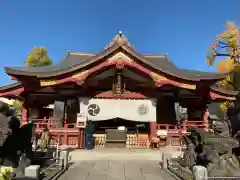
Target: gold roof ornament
{"x": 119, "y": 39}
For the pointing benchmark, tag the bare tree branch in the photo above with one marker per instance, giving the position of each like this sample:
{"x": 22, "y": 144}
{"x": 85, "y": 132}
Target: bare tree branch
{"x": 225, "y": 46}
{"x": 222, "y": 54}
{"x": 223, "y": 43}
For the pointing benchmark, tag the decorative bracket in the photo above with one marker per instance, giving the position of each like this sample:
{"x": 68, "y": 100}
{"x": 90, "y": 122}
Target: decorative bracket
{"x": 120, "y": 60}
{"x": 79, "y": 78}
{"x": 44, "y": 83}
{"x": 158, "y": 79}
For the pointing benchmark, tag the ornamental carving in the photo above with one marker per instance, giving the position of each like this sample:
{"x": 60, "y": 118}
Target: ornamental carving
{"x": 80, "y": 82}
{"x": 120, "y": 57}
{"x": 119, "y": 65}
{"x": 188, "y": 86}
{"x": 161, "y": 80}
{"x": 81, "y": 76}
{"x": 125, "y": 95}
{"x": 119, "y": 39}
{"x": 47, "y": 83}
{"x": 158, "y": 79}
{"x": 226, "y": 105}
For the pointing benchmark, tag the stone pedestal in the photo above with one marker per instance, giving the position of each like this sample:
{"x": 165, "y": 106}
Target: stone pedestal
{"x": 165, "y": 158}
{"x": 200, "y": 173}
{"x": 32, "y": 171}
{"x": 64, "y": 156}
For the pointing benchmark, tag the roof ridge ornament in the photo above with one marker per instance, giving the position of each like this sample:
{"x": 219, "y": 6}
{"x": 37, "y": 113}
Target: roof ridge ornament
{"x": 119, "y": 39}
{"x": 68, "y": 53}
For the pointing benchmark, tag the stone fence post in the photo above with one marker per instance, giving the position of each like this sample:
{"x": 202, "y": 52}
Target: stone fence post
{"x": 200, "y": 173}
{"x": 64, "y": 156}
{"x": 32, "y": 172}
{"x": 165, "y": 157}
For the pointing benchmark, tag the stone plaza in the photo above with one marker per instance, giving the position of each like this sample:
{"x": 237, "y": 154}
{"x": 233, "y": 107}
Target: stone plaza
{"x": 116, "y": 164}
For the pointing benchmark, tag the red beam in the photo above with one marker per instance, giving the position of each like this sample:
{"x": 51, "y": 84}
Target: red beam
{"x": 80, "y": 77}
{"x": 15, "y": 92}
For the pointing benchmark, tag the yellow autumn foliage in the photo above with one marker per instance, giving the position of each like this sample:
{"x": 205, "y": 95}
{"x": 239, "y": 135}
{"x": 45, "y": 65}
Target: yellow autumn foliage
{"x": 221, "y": 66}
{"x": 226, "y": 45}
{"x": 38, "y": 57}
{"x": 224, "y": 83}
{"x": 225, "y": 66}
{"x": 225, "y": 105}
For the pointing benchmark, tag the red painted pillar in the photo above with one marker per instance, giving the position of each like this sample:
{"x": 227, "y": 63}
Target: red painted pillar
{"x": 153, "y": 130}
{"x": 81, "y": 139}
{"x": 25, "y": 113}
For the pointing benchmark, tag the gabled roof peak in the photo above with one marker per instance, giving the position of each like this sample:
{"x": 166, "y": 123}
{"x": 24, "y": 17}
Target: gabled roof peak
{"x": 119, "y": 39}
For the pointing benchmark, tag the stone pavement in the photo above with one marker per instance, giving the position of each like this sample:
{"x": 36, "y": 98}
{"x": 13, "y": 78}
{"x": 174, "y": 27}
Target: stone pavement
{"x": 115, "y": 164}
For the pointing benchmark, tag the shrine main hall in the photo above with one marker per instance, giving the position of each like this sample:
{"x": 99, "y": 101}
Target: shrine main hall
{"x": 118, "y": 87}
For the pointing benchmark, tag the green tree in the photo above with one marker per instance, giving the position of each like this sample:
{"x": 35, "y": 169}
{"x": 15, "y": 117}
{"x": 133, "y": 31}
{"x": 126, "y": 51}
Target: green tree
{"x": 226, "y": 46}
{"x": 38, "y": 57}
{"x": 18, "y": 106}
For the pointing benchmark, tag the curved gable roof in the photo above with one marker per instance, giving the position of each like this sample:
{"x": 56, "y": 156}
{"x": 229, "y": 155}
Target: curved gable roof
{"x": 75, "y": 61}
{"x": 11, "y": 86}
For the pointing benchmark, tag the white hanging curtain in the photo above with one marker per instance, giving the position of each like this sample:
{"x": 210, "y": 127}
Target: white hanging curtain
{"x": 104, "y": 109}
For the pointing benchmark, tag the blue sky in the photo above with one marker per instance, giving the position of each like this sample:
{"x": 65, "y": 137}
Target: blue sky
{"x": 183, "y": 29}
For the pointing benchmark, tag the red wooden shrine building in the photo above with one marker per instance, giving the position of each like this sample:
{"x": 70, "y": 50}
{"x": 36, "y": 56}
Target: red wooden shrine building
{"x": 116, "y": 84}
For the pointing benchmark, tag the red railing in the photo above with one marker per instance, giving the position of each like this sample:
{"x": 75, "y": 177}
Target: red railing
{"x": 52, "y": 124}
{"x": 175, "y": 134}
{"x": 71, "y": 136}
{"x": 198, "y": 124}
{"x": 184, "y": 126}
{"x": 67, "y": 135}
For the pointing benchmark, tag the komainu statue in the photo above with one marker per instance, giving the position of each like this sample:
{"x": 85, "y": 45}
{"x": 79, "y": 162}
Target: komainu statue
{"x": 44, "y": 141}
{"x": 15, "y": 141}
{"x": 219, "y": 150}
